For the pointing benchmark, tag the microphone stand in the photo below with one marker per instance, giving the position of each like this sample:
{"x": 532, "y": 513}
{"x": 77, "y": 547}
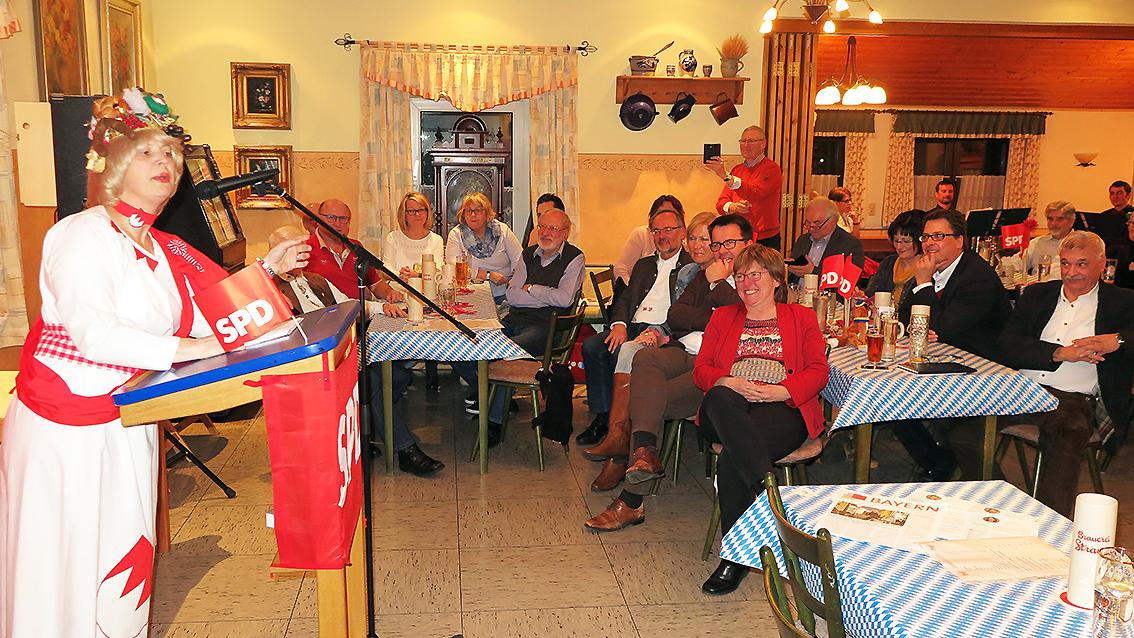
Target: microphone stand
{"x": 364, "y": 261}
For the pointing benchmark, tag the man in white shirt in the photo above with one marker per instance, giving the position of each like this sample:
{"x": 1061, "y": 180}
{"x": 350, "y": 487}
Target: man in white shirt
{"x": 1070, "y": 337}
{"x": 644, "y": 303}
{"x": 1060, "y": 218}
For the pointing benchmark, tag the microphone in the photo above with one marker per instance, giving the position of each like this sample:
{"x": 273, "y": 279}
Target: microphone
{"x": 211, "y": 188}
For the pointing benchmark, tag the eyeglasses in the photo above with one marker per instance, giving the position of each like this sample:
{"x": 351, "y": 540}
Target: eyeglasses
{"x": 336, "y": 219}
{"x": 755, "y": 275}
{"x": 939, "y": 236}
{"x": 544, "y": 228}
{"x": 728, "y": 243}
{"x": 744, "y": 141}
{"x": 478, "y": 210}
{"x": 667, "y": 229}
{"x": 416, "y": 211}
{"x": 697, "y": 238}
{"x": 904, "y": 241}
{"x": 818, "y": 224}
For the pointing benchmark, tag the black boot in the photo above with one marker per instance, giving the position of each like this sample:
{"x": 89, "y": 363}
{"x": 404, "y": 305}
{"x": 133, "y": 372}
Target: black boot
{"x": 725, "y": 578}
{"x": 595, "y": 433}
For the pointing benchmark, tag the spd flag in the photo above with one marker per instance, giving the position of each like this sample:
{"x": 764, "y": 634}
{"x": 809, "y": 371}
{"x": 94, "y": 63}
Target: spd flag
{"x": 243, "y": 306}
{"x": 832, "y": 272}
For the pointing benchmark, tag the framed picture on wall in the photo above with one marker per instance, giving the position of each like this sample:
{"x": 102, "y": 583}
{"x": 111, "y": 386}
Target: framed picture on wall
{"x": 248, "y": 159}
{"x": 261, "y": 95}
{"x": 60, "y": 26}
{"x": 123, "y": 54}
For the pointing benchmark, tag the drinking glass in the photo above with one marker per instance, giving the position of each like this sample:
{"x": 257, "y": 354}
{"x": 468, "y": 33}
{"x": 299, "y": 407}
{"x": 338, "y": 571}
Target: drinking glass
{"x": 1111, "y": 267}
{"x": 874, "y": 342}
{"x": 446, "y": 298}
{"x": 919, "y": 333}
{"x": 1114, "y": 594}
{"x": 892, "y": 330}
{"x": 1043, "y": 271}
{"x": 462, "y": 275}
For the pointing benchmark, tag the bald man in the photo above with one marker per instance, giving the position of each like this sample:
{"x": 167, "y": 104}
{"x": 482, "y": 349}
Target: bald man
{"x": 333, "y": 260}
{"x": 546, "y": 279}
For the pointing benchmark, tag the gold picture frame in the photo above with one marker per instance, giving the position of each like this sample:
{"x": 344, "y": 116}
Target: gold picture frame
{"x": 248, "y": 159}
{"x": 261, "y": 95}
{"x": 124, "y": 59}
{"x": 62, "y": 55}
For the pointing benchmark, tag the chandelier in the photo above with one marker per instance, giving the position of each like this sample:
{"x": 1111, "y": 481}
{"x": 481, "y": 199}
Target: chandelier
{"x": 817, "y": 10}
{"x": 851, "y": 89}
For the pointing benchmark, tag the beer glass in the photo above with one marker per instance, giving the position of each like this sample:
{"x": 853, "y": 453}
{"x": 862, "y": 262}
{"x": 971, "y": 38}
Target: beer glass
{"x": 1114, "y": 594}
{"x": 1043, "y": 270}
{"x": 462, "y": 273}
{"x": 874, "y": 343}
{"x": 919, "y": 333}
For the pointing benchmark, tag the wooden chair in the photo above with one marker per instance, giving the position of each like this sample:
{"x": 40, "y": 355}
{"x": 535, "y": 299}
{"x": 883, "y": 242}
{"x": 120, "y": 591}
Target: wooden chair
{"x": 1028, "y": 434}
{"x": 777, "y": 597}
{"x": 521, "y": 373}
{"x": 601, "y": 279}
{"x": 794, "y": 545}
{"x": 671, "y": 448}
{"x": 795, "y": 462}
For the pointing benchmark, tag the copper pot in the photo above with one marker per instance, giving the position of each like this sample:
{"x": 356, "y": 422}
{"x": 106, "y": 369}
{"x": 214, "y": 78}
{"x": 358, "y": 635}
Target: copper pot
{"x": 723, "y": 109}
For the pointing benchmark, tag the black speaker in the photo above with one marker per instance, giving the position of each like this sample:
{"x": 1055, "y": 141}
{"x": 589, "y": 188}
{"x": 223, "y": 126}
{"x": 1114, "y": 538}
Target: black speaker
{"x": 70, "y": 126}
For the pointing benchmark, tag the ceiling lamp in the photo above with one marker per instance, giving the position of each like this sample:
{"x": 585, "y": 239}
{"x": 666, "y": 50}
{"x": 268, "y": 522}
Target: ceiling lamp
{"x": 826, "y": 11}
{"x": 851, "y": 89}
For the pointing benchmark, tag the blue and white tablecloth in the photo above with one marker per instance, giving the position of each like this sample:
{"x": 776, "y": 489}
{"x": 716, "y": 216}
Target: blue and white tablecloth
{"x": 892, "y": 592}
{"x": 872, "y": 396}
{"x": 388, "y": 340}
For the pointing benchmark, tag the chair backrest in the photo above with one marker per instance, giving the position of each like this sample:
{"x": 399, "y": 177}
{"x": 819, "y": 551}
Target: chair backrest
{"x": 561, "y": 334}
{"x": 796, "y": 544}
{"x": 10, "y": 357}
{"x": 601, "y": 279}
{"x": 777, "y": 599}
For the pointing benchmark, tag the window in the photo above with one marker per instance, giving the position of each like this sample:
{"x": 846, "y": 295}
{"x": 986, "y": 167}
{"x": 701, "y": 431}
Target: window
{"x": 828, "y": 156}
{"x": 956, "y": 157}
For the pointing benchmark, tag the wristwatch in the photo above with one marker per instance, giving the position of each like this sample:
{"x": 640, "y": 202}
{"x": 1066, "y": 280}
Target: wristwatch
{"x": 728, "y": 177}
{"x": 1118, "y": 335}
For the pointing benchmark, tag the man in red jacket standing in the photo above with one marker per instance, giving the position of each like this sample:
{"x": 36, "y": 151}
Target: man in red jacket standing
{"x": 752, "y": 188}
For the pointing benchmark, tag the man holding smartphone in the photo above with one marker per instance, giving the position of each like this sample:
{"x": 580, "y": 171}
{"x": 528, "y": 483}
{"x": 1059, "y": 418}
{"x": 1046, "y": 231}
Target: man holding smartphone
{"x": 752, "y": 188}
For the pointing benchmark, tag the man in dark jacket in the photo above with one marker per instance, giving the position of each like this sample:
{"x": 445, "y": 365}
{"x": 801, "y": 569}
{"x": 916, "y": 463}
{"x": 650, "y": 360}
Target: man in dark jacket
{"x": 644, "y": 303}
{"x": 1070, "y": 336}
{"x": 822, "y": 239}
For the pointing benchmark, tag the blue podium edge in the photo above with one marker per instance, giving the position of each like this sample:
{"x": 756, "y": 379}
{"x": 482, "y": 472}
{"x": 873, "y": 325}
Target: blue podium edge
{"x": 325, "y": 328}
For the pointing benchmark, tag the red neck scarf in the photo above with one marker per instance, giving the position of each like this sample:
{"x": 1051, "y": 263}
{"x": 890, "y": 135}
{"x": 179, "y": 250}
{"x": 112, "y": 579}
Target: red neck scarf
{"x": 135, "y": 216}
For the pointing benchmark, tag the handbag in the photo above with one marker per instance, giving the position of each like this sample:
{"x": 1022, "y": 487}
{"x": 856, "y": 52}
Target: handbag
{"x": 759, "y": 369}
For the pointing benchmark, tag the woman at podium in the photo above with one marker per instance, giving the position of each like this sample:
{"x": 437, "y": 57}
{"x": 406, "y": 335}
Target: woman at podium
{"x": 78, "y": 490}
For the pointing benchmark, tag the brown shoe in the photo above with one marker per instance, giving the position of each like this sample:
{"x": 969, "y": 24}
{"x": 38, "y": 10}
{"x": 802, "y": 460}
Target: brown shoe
{"x": 617, "y": 516}
{"x": 611, "y": 475}
{"x": 617, "y": 440}
{"x": 646, "y": 467}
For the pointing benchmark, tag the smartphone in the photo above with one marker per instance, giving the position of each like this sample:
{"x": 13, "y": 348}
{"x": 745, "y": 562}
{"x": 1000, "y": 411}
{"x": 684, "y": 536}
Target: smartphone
{"x": 798, "y": 261}
{"x": 711, "y": 151}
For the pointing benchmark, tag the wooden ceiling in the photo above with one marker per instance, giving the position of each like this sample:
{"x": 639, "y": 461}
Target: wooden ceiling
{"x": 1020, "y": 66}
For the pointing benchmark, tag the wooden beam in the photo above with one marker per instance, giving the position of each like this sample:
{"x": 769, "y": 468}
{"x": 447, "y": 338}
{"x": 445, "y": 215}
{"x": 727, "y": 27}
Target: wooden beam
{"x": 860, "y": 26}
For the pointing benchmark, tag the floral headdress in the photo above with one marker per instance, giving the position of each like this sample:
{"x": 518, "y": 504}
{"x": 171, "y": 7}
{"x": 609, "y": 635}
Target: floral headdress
{"x": 136, "y": 109}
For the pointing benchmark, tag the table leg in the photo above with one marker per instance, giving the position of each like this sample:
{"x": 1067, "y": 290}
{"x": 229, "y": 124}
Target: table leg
{"x": 988, "y": 446}
{"x": 482, "y": 401}
{"x": 863, "y": 439}
{"x": 388, "y": 414}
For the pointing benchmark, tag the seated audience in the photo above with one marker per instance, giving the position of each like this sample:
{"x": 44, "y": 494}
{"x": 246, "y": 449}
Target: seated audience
{"x": 403, "y": 248}
{"x": 643, "y": 304}
{"x": 1060, "y": 218}
{"x": 661, "y": 380}
{"x": 334, "y": 261}
{"x": 544, "y": 203}
{"x": 968, "y": 306}
{"x": 895, "y": 273}
{"x": 307, "y": 291}
{"x": 489, "y": 246}
{"x": 761, "y": 364}
{"x": 547, "y": 279}
{"x": 849, "y": 219}
{"x": 822, "y": 238}
{"x": 1070, "y": 337}
{"x": 752, "y": 188}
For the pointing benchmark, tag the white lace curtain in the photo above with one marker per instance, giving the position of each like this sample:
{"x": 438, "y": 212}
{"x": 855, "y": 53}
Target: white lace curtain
{"x": 13, "y": 310}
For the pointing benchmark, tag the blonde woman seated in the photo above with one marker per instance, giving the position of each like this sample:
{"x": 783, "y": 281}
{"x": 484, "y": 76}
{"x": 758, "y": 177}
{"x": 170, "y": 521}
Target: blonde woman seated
{"x": 404, "y": 247}
{"x": 489, "y": 246}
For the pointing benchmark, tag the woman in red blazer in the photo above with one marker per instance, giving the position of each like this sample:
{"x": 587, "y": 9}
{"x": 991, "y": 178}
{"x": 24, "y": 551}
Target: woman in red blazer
{"x": 757, "y": 422}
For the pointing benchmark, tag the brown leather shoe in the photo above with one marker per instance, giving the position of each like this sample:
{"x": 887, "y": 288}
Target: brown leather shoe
{"x": 611, "y": 475}
{"x": 646, "y": 467}
{"x": 617, "y": 516}
{"x": 617, "y": 440}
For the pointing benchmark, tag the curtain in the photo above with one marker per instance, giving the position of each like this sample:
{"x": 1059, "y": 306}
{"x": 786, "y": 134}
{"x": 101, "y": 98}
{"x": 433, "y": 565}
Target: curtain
{"x": 554, "y": 156}
{"x": 13, "y": 309}
{"x": 1022, "y": 181}
{"x": 899, "y": 194}
{"x": 976, "y": 192}
{"x": 975, "y": 123}
{"x": 841, "y": 122}
{"x": 854, "y": 166}
{"x": 472, "y": 79}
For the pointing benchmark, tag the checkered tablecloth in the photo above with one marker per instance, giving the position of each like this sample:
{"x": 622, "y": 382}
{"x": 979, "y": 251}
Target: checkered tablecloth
{"x": 388, "y": 340}
{"x": 872, "y": 396}
{"x": 892, "y": 592}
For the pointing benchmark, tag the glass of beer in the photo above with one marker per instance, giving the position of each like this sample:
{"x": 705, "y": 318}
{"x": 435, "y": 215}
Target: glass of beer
{"x": 462, "y": 275}
{"x": 874, "y": 343}
{"x": 1111, "y": 268}
{"x": 892, "y": 330}
{"x": 1043, "y": 269}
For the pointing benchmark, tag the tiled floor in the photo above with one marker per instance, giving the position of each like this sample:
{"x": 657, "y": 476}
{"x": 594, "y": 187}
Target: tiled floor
{"x": 499, "y": 555}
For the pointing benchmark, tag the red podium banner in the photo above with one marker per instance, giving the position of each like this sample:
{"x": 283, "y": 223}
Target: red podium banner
{"x": 315, "y": 448}
{"x": 243, "y": 306}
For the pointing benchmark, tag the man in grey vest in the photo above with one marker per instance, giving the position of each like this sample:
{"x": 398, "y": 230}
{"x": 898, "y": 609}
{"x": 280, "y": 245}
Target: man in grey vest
{"x": 547, "y": 278}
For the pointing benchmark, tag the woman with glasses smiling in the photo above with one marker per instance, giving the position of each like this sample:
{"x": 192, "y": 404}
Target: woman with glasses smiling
{"x": 489, "y": 246}
{"x": 896, "y": 272}
{"x": 761, "y": 364}
{"x": 404, "y": 247}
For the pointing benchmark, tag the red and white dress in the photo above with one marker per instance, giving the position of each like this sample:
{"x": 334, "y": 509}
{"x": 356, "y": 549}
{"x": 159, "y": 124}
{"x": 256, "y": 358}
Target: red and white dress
{"x": 78, "y": 491}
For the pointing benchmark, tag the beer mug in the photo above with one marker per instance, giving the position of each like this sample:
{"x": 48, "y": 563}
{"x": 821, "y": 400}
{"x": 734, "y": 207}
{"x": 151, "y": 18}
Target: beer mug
{"x": 892, "y": 330}
{"x": 919, "y": 333}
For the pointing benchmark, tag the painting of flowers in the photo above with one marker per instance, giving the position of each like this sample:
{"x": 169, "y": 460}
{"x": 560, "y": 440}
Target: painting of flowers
{"x": 64, "y": 48}
{"x": 123, "y": 44}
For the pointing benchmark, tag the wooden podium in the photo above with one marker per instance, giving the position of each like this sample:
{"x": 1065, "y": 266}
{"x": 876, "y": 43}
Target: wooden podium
{"x": 217, "y": 383}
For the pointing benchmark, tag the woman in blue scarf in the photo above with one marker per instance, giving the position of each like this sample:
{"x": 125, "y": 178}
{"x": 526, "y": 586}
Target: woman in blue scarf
{"x": 489, "y": 246}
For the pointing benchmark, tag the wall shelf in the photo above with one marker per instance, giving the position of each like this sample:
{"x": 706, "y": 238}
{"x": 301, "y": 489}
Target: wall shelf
{"x": 664, "y": 89}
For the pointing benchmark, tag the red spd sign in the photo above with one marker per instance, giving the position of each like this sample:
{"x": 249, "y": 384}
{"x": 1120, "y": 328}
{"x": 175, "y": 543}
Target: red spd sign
{"x": 832, "y": 272}
{"x": 848, "y": 278}
{"x": 316, "y": 454}
{"x": 1014, "y": 236}
{"x": 243, "y": 306}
